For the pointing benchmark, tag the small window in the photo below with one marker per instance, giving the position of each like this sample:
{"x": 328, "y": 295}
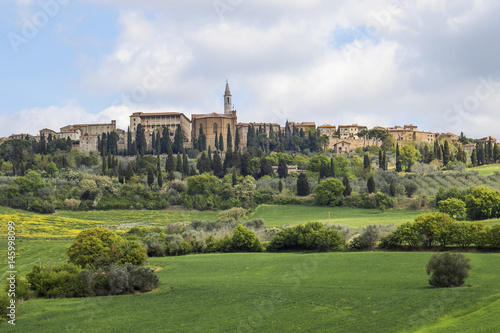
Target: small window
{"x": 227, "y": 100}
{"x": 215, "y": 128}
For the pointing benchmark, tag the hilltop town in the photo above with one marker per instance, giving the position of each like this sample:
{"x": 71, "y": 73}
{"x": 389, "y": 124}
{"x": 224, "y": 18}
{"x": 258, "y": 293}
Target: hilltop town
{"x": 340, "y": 139}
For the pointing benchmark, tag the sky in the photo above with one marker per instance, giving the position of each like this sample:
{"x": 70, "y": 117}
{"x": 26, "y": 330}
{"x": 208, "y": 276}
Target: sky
{"x": 431, "y": 63}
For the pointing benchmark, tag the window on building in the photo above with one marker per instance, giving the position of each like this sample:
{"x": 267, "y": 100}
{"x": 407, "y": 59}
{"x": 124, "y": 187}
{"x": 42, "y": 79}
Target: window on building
{"x": 215, "y": 129}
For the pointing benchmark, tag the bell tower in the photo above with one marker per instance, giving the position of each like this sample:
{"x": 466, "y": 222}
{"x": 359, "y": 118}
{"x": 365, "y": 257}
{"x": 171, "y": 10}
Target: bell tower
{"x": 228, "y": 105}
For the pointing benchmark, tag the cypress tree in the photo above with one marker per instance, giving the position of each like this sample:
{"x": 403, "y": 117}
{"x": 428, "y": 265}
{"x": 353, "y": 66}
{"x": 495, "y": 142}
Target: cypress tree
{"x": 237, "y": 140}
{"x": 385, "y": 161}
{"x": 229, "y": 139}
{"x": 371, "y": 185}
{"x": 178, "y": 165}
{"x": 160, "y": 175}
{"x": 202, "y": 140}
{"x": 280, "y": 186}
{"x": 380, "y": 160}
{"x": 446, "y": 153}
{"x": 302, "y": 185}
{"x": 366, "y": 163}
{"x": 209, "y": 157}
{"x": 332, "y": 168}
{"x": 185, "y": 163}
{"x": 151, "y": 177}
{"x": 398, "y": 160}
{"x": 216, "y": 142}
{"x": 221, "y": 142}
{"x": 200, "y": 164}
{"x": 347, "y": 186}
{"x": 217, "y": 165}
{"x": 121, "y": 173}
{"x": 234, "y": 179}
{"x": 392, "y": 189}
{"x": 245, "y": 161}
{"x": 265, "y": 168}
{"x": 170, "y": 166}
{"x": 178, "y": 140}
{"x": 282, "y": 168}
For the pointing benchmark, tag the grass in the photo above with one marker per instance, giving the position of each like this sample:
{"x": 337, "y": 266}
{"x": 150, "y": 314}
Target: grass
{"x": 285, "y": 292}
{"x": 487, "y": 170}
{"x": 68, "y": 224}
{"x": 354, "y": 217}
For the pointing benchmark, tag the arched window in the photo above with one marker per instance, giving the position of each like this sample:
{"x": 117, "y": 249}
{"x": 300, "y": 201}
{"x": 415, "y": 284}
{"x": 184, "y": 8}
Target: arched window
{"x": 215, "y": 128}
{"x": 227, "y": 100}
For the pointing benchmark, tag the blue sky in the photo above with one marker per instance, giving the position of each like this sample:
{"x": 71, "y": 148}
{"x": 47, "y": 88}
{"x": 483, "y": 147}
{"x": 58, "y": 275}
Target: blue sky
{"x": 430, "y": 63}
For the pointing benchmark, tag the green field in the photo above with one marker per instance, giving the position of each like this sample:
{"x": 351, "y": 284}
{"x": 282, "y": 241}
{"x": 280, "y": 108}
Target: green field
{"x": 487, "y": 170}
{"x": 327, "y": 292}
{"x": 354, "y": 217}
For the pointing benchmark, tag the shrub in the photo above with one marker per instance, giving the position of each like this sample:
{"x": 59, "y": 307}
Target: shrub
{"x": 244, "y": 240}
{"x": 72, "y": 204}
{"x": 448, "y": 270}
{"x": 312, "y": 236}
{"x": 56, "y": 281}
{"x": 233, "y": 213}
{"x": 329, "y": 192}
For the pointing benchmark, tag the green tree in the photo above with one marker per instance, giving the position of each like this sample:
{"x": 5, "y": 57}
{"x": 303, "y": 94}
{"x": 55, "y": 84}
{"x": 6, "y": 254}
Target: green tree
{"x": 52, "y": 169}
{"x": 398, "y": 160}
{"x": 229, "y": 139}
{"x": 347, "y": 186}
{"x": 409, "y": 155}
{"x": 366, "y": 163}
{"x": 303, "y": 185}
{"x": 140, "y": 140}
{"x": 282, "y": 168}
{"x": 178, "y": 141}
{"x": 221, "y": 142}
{"x": 446, "y": 153}
{"x": 329, "y": 192}
{"x": 448, "y": 270}
{"x": 185, "y": 163}
{"x": 433, "y": 227}
{"x": 453, "y": 207}
{"x": 482, "y": 203}
{"x": 265, "y": 168}
{"x": 178, "y": 164}
{"x": 159, "y": 176}
{"x": 151, "y": 177}
{"x": 245, "y": 240}
{"x": 371, "y": 185}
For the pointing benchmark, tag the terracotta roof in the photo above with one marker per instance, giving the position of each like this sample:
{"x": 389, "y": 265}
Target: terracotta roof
{"x": 212, "y": 115}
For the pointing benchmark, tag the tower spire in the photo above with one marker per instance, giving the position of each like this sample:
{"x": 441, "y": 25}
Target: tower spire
{"x": 227, "y": 100}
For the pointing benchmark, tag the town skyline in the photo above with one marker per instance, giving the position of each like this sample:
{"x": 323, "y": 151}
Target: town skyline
{"x": 375, "y": 63}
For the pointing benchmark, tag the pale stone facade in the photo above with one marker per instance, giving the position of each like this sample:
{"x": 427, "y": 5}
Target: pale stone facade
{"x": 410, "y": 133}
{"x": 88, "y": 142}
{"x": 152, "y": 122}
{"x": 327, "y": 129}
{"x": 216, "y": 123}
{"x": 350, "y": 131}
{"x": 90, "y": 129}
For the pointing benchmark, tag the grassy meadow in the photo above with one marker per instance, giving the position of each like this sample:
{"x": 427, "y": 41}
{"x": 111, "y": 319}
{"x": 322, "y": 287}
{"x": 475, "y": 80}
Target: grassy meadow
{"x": 487, "y": 170}
{"x": 284, "y": 292}
{"x": 354, "y": 217}
{"x": 263, "y": 292}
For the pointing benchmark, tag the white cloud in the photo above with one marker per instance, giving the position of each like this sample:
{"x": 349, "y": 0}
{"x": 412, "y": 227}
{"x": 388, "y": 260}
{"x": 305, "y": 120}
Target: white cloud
{"x": 284, "y": 59}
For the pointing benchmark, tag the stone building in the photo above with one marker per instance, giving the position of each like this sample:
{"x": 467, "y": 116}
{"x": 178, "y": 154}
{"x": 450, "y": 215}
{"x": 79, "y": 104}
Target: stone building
{"x": 216, "y": 123}
{"x": 328, "y": 130}
{"x": 305, "y": 126}
{"x": 152, "y": 122}
{"x": 88, "y": 142}
{"x": 72, "y": 134}
{"x": 350, "y": 131}
{"x": 90, "y": 129}
{"x": 342, "y": 147}
{"x": 410, "y": 133}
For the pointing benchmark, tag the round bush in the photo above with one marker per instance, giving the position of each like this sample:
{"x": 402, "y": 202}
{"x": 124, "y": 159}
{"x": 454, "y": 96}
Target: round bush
{"x": 448, "y": 270}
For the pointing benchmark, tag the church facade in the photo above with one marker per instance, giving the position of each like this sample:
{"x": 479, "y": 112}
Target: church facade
{"x": 216, "y": 123}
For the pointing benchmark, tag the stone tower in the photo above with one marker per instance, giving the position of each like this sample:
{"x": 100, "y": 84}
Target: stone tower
{"x": 228, "y": 105}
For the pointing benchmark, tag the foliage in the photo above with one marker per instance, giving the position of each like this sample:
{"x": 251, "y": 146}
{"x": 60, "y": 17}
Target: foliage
{"x": 312, "y": 236}
{"x": 244, "y": 240}
{"x": 56, "y": 281}
{"x": 453, "y": 207}
{"x": 482, "y": 203}
{"x": 448, "y": 270}
{"x": 329, "y": 192}
{"x": 98, "y": 247}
